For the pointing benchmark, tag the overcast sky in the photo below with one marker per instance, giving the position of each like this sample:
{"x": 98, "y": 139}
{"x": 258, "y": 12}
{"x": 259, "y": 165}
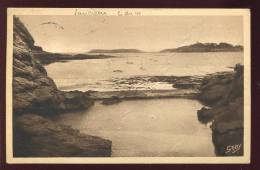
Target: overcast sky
{"x": 148, "y": 33}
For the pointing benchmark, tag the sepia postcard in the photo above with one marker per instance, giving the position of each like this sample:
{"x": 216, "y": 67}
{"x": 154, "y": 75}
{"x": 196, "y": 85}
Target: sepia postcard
{"x": 121, "y": 85}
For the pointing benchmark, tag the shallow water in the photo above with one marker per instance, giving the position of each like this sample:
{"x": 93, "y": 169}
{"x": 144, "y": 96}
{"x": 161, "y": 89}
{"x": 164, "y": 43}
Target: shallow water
{"x": 98, "y": 74}
{"x": 155, "y": 127}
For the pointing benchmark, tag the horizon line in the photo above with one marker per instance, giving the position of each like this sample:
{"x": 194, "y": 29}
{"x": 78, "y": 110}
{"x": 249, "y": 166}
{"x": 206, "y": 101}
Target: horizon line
{"x": 144, "y": 51}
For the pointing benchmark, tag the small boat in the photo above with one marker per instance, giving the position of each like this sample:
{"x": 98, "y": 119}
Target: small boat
{"x": 141, "y": 68}
{"x": 118, "y": 71}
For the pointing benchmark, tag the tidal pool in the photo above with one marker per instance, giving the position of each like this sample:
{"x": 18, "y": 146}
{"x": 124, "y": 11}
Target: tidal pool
{"x": 148, "y": 128}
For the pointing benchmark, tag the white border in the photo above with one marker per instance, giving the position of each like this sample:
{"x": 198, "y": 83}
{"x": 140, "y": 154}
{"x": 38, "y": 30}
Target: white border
{"x": 128, "y": 160}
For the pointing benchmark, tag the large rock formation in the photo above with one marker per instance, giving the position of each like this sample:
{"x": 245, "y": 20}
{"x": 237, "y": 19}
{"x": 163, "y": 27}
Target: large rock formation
{"x": 224, "y": 94}
{"x": 41, "y": 137}
{"x": 35, "y": 98}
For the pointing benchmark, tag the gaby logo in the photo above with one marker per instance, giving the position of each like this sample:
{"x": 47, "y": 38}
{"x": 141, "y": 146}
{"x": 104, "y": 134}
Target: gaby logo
{"x": 233, "y": 148}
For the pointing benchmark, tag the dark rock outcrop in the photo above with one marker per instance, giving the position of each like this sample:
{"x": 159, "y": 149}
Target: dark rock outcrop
{"x": 214, "y": 87}
{"x": 41, "y": 137}
{"x": 225, "y": 96}
{"x": 112, "y": 100}
{"x": 75, "y": 100}
{"x": 186, "y": 84}
{"x": 35, "y": 98}
{"x": 205, "y": 115}
{"x": 32, "y": 88}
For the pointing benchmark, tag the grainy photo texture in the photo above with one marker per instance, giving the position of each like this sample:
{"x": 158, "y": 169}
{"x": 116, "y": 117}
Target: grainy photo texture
{"x": 130, "y": 84}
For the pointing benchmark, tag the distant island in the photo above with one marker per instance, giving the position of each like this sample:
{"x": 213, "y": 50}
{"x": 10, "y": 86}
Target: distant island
{"x": 48, "y": 57}
{"x": 115, "y": 51}
{"x": 206, "y": 47}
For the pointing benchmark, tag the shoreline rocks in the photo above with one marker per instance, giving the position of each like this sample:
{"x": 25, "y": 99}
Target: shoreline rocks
{"x": 75, "y": 100}
{"x": 143, "y": 94}
{"x": 214, "y": 87}
{"x": 225, "y": 96}
{"x": 37, "y": 136}
{"x": 112, "y": 100}
{"x": 36, "y": 99}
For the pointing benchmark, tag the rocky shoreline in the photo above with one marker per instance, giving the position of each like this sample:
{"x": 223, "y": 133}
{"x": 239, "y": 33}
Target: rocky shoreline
{"x": 223, "y": 94}
{"x": 181, "y": 87}
{"x": 36, "y": 99}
